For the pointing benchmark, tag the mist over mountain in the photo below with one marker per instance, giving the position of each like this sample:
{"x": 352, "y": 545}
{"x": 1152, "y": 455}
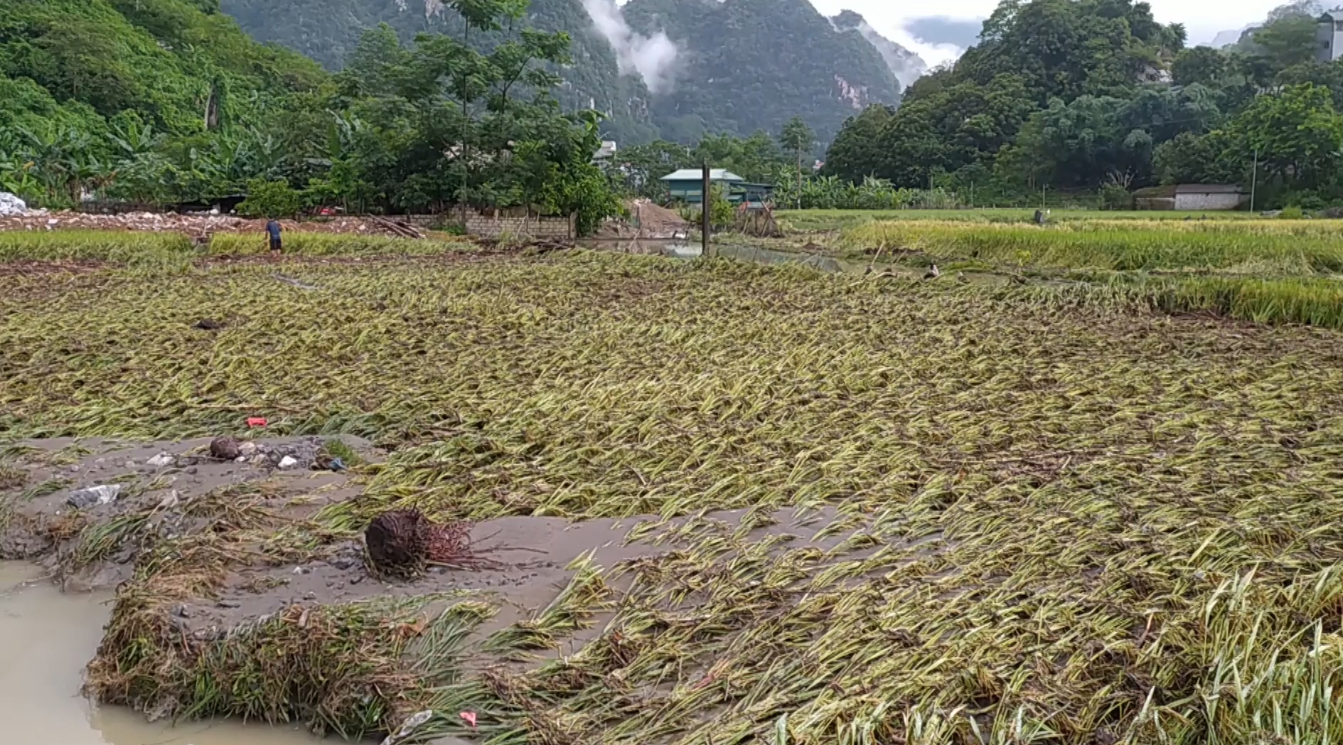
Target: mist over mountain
{"x": 671, "y": 68}
{"x": 957, "y": 32}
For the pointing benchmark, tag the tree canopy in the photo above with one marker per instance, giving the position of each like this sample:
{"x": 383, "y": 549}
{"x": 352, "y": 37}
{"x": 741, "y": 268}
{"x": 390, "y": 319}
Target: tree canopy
{"x": 166, "y": 101}
{"x": 1074, "y": 94}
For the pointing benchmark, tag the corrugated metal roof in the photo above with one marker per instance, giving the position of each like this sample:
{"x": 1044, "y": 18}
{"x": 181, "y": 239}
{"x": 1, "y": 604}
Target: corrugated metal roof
{"x": 695, "y": 174}
{"x": 1208, "y": 189}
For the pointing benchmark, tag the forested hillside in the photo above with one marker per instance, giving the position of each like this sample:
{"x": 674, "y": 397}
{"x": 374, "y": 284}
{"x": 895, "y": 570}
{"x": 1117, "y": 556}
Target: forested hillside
{"x": 905, "y": 65}
{"x": 178, "y": 64}
{"x": 741, "y": 65}
{"x": 329, "y": 31}
{"x": 1095, "y": 93}
{"x": 157, "y": 102}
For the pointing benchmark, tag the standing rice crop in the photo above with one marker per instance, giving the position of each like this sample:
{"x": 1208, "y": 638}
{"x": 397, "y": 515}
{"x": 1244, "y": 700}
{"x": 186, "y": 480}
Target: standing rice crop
{"x": 1233, "y": 247}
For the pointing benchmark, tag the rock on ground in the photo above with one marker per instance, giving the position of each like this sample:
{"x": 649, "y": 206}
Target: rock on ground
{"x": 11, "y": 205}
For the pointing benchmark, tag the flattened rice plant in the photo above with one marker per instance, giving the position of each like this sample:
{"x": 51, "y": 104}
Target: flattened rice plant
{"x": 1045, "y": 521}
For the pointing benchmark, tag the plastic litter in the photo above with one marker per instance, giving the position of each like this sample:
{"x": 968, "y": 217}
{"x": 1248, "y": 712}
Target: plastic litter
{"x": 469, "y": 717}
{"x": 288, "y": 462}
{"x": 102, "y": 494}
{"x": 409, "y": 727}
{"x": 256, "y": 421}
{"x": 328, "y": 463}
{"x": 161, "y": 460}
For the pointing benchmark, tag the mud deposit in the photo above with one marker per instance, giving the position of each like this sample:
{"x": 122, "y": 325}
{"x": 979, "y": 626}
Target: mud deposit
{"x": 46, "y": 638}
{"x": 223, "y": 587}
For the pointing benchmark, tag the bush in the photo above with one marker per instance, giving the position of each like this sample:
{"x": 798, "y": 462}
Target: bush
{"x": 1291, "y": 213}
{"x": 1115, "y": 197}
{"x": 270, "y": 199}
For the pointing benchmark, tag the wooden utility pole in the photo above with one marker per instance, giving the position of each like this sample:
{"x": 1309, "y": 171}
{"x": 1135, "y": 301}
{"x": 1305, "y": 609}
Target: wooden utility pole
{"x": 704, "y": 208}
{"x": 1254, "y": 178}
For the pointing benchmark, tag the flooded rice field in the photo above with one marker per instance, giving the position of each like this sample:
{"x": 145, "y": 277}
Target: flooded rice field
{"x": 46, "y": 639}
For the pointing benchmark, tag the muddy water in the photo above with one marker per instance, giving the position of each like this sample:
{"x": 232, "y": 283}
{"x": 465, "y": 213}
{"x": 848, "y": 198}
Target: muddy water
{"x": 752, "y": 254}
{"x": 46, "y": 638}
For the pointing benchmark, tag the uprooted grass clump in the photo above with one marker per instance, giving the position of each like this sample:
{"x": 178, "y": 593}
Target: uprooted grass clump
{"x": 403, "y": 543}
{"x": 1057, "y": 520}
{"x": 351, "y": 668}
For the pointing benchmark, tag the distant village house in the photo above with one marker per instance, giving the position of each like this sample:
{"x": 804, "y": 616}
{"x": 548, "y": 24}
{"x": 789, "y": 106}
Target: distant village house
{"x": 1191, "y": 197}
{"x": 687, "y": 186}
{"x": 1329, "y": 36}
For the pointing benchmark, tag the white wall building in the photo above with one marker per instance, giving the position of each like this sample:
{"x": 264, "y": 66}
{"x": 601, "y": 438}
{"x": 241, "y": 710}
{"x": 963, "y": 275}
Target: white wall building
{"x": 1329, "y": 36}
{"x": 1209, "y": 197}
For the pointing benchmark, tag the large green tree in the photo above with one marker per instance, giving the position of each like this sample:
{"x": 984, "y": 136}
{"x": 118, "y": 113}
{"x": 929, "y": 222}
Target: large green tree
{"x": 160, "y": 101}
{"x": 1072, "y": 94}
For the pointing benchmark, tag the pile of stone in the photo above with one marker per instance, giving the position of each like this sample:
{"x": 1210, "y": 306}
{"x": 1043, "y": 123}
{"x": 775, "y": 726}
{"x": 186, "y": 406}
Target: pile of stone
{"x": 11, "y": 205}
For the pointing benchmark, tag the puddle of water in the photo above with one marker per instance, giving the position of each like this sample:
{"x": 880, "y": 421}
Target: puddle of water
{"x": 46, "y": 639}
{"x": 757, "y": 255}
{"x": 679, "y": 249}
{"x": 690, "y": 250}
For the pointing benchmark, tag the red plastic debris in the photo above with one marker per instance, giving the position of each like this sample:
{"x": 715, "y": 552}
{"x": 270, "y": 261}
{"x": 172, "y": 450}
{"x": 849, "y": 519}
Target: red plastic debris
{"x": 256, "y": 421}
{"x": 470, "y": 717}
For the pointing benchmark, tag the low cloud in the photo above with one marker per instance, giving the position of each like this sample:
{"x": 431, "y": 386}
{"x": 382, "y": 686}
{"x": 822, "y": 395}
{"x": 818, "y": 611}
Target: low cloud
{"x": 652, "y": 58}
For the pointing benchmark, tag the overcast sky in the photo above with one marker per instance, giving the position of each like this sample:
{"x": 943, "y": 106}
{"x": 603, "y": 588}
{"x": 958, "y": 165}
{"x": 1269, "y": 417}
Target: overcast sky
{"x": 1202, "y": 18}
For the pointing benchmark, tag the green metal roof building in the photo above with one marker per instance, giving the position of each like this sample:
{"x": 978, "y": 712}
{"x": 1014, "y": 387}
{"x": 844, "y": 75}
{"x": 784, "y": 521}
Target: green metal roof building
{"x": 687, "y": 186}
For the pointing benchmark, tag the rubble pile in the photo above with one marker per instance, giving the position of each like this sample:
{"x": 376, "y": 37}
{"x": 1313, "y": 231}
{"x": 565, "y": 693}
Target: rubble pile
{"x": 647, "y": 220}
{"x": 11, "y": 205}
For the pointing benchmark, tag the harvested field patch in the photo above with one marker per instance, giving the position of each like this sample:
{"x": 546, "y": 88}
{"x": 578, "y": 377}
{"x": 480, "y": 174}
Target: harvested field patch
{"x": 811, "y": 508}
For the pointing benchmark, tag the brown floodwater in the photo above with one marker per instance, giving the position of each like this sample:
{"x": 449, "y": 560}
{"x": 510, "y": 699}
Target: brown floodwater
{"x": 46, "y": 639}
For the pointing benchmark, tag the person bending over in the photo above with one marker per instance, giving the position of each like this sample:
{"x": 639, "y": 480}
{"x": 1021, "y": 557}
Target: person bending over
{"x": 273, "y": 230}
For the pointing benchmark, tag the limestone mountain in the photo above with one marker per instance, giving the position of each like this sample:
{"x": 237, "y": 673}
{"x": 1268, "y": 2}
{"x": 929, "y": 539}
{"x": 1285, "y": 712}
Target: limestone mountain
{"x": 329, "y": 30}
{"x": 747, "y": 65}
{"x": 905, "y": 65}
{"x": 740, "y": 65}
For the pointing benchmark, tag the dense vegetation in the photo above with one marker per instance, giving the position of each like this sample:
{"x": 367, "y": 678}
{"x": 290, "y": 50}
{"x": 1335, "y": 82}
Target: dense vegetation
{"x": 1088, "y": 93}
{"x": 329, "y": 32}
{"x": 742, "y": 65}
{"x": 165, "y": 101}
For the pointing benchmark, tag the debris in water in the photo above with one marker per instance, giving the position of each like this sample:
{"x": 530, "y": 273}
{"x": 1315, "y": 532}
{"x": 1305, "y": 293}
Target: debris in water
{"x": 161, "y": 460}
{"x": 102, "y": 494}
{"x": 326, "y": 462}
{"x": 410, "y": 725}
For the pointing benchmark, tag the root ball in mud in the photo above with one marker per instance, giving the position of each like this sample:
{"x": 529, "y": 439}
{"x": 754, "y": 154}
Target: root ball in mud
{"x": 224, "y": 448}
{"x": 398, "y": 541}
{"x": 403, "y": 542}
